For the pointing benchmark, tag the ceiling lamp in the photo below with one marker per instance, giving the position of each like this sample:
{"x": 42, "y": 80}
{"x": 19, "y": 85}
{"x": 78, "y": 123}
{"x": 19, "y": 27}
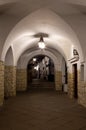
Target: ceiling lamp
{"x": 34, "y": 59}
{"x": 41, "y": 43}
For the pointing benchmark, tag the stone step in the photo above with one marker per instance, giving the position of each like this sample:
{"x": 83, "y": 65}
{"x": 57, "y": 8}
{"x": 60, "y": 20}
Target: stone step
{"x": 41, "y": 89}
{"x": 42, "y": 83}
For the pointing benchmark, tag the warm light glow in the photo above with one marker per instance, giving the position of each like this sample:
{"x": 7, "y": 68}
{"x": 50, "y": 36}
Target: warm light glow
{"x": 41, "y": 45}
{"x": 36, "y": 67}
{"x": 34, "y": 59}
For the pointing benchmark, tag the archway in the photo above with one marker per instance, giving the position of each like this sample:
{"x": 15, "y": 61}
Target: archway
{"x": 40, "y": 72}
{"x": 59, "y": 67}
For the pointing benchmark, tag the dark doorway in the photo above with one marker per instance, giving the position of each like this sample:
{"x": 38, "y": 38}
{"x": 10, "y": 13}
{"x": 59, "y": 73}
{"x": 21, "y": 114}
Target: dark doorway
{"x": 66, "y": 74}
{"x": 40, "y": 72}
{"x": 75, "y": 81}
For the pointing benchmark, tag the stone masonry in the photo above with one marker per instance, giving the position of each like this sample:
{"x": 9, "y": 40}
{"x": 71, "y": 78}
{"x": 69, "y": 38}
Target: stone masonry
{"x": 21, "y": 79}
{"x": 81, "y": 86}
{"x": 1, "y": 83}
{"x": 58, "y": 80}
{"x": 81, "y": 91}
{"x": 10, "y": 81}
{"x": 71, "y": 85}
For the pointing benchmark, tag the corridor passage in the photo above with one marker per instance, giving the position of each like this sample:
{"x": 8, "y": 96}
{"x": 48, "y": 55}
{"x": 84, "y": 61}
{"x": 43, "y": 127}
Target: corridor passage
{"x": 42, "y": 110}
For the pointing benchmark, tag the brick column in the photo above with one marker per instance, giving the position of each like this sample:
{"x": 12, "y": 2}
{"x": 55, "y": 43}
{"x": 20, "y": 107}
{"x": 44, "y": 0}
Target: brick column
{"x": 58, "y": 80}
{"x": 10, "y": 81}
{"x": 21, "y": 79}
{"x": 1, "y": 83}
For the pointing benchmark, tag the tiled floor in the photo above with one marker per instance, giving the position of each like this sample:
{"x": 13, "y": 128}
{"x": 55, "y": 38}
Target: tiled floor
{"x": 42, "y": 110}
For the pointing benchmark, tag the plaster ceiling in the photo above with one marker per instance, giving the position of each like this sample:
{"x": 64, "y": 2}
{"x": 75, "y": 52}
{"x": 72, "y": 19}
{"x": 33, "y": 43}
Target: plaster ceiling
{"x": 21, "y": 8}
{"x": 41, "y": 16}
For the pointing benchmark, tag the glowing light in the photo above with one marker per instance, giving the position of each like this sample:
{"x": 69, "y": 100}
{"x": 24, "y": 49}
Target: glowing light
{"x": 34, "y": 59}
{"x": 36, "y": 67}
{"x": 41, "y": 45}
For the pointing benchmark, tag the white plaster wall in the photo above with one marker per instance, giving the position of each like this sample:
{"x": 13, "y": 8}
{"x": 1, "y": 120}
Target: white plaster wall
{"x": 78, "y": 24}
{"x": 6, "y": 24}
{"x": 9, "y": 60}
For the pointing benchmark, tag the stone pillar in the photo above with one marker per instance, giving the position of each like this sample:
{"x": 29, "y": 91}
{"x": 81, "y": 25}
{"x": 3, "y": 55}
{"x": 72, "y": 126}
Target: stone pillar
{"x": 80, "y": 86}
{"x": 10, "y": 81}
{"x": 1, "y": 83}
{"x": 58, "y": 80}
{"x": 21, "y": 79}
{"x": 81, "y": 90}
{"x": 71, "y": 85}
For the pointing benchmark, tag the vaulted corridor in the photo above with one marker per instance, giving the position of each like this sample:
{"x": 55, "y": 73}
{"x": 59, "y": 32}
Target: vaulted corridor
{"x": 42, "y": 64}
{"x": 42, "y": 110}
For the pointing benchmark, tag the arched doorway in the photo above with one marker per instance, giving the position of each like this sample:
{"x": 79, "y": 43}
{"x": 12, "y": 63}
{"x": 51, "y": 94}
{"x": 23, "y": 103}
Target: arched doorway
{"x": 75, "y": 81}
{"x": 41, "y": 72}
{"x": 59, "y": 65}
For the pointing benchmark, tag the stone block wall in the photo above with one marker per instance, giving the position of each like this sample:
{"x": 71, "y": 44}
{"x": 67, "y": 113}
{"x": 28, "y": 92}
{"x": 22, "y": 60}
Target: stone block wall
{"x": 21, "y": 79}
{"x": 71, "y": 85}
{"x": 81, "y": 91}
{"x": 10, "y": 81}
{"x": 58, "y": 80}
{"x": 1, "y": 83}
{"x": 81, "y": 86}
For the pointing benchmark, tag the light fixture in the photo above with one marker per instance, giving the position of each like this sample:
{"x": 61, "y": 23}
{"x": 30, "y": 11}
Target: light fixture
{"x": 34, "y": 59}
{"x": 41, "y": 43}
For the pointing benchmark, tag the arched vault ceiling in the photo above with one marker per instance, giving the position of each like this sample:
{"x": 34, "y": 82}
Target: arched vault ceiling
{"x": 24, "y": 59}
{"x": 23, "y": 7}
{"x": 61, "y": 36}
{"x": 33, "y": 51}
